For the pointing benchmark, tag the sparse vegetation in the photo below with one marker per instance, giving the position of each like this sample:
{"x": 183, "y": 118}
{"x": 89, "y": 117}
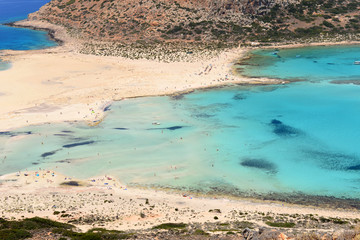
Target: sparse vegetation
{"x": 14, "y": 234}
{"x": 200, "y": 232}
{"x": 171, "y": 226}
{"x": 70, "y": 2}
{"x": 15, "y": 230}
{"x": 281, "y": 224}
{"x": 33, "y": 227}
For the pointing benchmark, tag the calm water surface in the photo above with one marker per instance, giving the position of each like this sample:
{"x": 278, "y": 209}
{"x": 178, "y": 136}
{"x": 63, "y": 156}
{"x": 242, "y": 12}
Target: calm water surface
{"x": 311, "y": 63}
{"x": 20, "y": 38}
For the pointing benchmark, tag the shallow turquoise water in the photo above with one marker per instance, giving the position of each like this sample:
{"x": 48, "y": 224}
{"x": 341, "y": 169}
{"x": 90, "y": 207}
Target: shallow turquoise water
{"x": 300, "y": 137}
{"x": 311, "y": 63}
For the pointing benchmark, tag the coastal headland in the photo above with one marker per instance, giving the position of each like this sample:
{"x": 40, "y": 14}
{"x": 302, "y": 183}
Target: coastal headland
{"x": 62, "y": 84}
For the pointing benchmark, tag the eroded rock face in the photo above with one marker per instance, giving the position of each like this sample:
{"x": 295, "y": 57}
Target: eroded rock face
{"x": 125, "y": 20}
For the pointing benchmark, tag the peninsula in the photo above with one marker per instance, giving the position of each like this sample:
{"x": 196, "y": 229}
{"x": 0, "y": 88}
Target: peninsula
{"x": 111, "y": 50}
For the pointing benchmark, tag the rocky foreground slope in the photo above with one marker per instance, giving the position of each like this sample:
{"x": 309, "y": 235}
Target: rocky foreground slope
{"x": 227, "y": 21}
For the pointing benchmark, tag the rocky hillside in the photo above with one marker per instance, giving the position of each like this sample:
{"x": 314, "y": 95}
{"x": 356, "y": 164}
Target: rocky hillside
{"x": 129, "y": 20}
{"x": 203, "y": 20}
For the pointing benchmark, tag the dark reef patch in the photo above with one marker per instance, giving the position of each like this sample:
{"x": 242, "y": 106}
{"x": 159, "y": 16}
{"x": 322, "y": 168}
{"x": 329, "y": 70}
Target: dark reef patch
{"x": 215, "y": 107}
{"x": 203, "y": 115}
{"x": 334, "y": 160}
{"x": 174, "y": 128}
{"x": 177, "y": 96}
{"x": 13, "y": 134}
{"x": 46, "y": 154}
{"x": 208, "y": 111}
{"x": 283, "y": 130}
{"x": 121, "y": 128}
{"x": 78, "y": 144}
{"x": 61, "y": 135}
{"x": 67, "y": 131}
{"x": 239, "y": 96}
{"x": 168, "y": 128}
{"x": 64, "y": 161}
{"x": 354, "y": 168}
{"x": 5, "y": 133}
{"x": 275, "y": 122}
{"x": 261, "y": 164}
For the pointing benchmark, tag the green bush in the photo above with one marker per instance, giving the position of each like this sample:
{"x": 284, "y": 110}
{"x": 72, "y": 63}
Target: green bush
{"x": 33, "y": 223}
{"x": 328, "y": 24}
{"x": 281, "y": 224}
{"x": 175, "y": 30}
{"x": 14, "y": 234}
{"x": 47, "y": 223}
{"x": 338, "y": 221}
{"x": 170, "y": 226}
{"x": 70, "y": 2}
{"x": 89, "y": 236}
{"x": 200, "y": 232}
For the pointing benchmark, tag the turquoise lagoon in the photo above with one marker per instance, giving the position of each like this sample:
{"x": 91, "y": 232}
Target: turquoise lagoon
{"x": 301, "y": 137}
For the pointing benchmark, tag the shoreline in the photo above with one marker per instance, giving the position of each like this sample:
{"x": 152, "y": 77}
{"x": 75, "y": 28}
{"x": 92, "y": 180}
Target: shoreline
{"x": 297, "y": 199}
{"x": 29, "y": 189}
{"x": 313, "y": 44}
{"x": 50, "y": 32}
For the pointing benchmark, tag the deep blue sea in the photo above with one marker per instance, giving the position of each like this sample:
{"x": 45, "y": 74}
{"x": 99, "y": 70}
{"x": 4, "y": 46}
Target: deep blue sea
{"x": 19, "y": 38}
